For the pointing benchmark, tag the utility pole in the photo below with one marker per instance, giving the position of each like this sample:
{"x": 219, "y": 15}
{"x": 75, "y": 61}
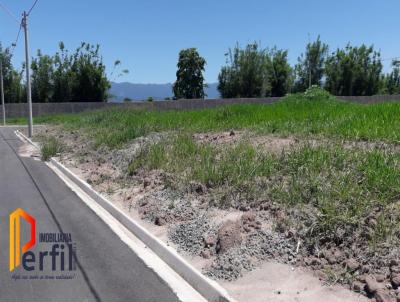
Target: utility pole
{"x": 309, "y": 62}
{"x": 2, "y": 91}
{"x": 28, "y": 76}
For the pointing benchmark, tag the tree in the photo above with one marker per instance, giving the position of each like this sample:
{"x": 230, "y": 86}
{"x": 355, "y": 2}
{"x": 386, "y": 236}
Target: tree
{"x": 354, "y": 71}
{"x": 255, "y": 72}
{"x": 116, "y": 72}
{"x": 279, "y": 73}
{"x": 244, "y": 75}
{"x": 42, "y": 78}
{"x": 70, "y": 78}
{"x": 89, "y": 80}
{"x": 62, "y": 76}
{"x": 12, "y": 79}
{"x": 189, "y": 77}
{"x": 310, "y": 67}
{"x": 391, "y": 81}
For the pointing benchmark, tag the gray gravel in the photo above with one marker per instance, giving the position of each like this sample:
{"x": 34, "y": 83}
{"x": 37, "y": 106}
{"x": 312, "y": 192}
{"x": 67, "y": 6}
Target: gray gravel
{"x": 168, "y": 206}
{"x": 189, "y": 236}
{"x": 260, "y": 245}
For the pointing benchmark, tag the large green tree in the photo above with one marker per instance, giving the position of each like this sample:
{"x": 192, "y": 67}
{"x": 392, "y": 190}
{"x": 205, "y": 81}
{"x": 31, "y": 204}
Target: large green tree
{"x": 12, "y": 79}
{"x": 391, "y": 81}
{"x": 354, "y": 71}
{"x": 280, "y": 74}
{"x": 89, "y": 80}
{"x": 255, "y": 72}
{"x": 62, "y": 76}
{"x": 310, "y": 67}
{"x": 189, "y": 77}
{"x": 65, "y": 77}
{"x": 244, "y": 75}
{"x": 42, "y": 78}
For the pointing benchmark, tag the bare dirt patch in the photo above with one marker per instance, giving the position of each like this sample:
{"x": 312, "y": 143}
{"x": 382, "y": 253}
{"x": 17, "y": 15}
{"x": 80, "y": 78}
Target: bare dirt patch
{"x": 269, "y": 143}
{"x": 282, "y": 283}
{"x": 27, "y": 150}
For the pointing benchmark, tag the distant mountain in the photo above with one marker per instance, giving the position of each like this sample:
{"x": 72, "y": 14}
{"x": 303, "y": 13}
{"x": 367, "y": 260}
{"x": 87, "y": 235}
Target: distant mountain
{"x": 139, "y": 92}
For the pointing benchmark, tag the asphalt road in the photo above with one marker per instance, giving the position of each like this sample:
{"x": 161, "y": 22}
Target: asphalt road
{"x": 106, "y": 269}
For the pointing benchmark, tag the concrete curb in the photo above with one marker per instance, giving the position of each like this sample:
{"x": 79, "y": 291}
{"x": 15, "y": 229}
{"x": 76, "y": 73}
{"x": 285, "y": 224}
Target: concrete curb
{"x": 208, "y": 288}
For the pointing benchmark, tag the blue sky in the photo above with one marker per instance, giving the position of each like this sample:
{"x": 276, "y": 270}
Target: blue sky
{"x": 147, "y": 35}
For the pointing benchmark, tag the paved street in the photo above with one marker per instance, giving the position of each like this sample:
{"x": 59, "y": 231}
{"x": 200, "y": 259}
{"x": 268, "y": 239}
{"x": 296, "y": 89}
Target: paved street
{"x": 106, "y": 270}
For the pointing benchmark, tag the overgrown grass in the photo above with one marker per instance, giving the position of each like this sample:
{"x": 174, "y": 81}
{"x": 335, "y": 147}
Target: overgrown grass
{"x": 49, "y": 147}
{"x": 343, "y": 186}
{"x": 338, "y": 195}
{"x": 306, "y": 115}
{"x": 203, "y": 163}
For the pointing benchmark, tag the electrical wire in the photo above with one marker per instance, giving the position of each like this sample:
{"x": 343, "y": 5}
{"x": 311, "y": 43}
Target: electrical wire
{"x": 390, "y": 59}
{"x": 16, "y": 39}
{"x": 33, "y": 6}
{"x": 14, "y": 45}
{"x": 9, "y": 12}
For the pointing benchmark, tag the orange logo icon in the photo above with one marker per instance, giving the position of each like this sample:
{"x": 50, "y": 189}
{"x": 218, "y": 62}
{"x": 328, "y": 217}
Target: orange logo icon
{"x": 15, "y": 236}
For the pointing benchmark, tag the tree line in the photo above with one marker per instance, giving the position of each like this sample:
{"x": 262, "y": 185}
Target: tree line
{"x": 253, "y": 71}
{"x": 64, "y": 77}
{"x": 250, "y": 71}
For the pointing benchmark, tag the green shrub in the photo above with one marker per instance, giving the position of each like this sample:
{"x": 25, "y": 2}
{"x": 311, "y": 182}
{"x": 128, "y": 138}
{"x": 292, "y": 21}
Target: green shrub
{"x": 50, "y": 146}
{"x": 316, "y": 93}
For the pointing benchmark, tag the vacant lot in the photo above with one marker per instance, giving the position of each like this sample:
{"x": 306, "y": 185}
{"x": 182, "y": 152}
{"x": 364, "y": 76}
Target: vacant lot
{"x": 309, "y": 181}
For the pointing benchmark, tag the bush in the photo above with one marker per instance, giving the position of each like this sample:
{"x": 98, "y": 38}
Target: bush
{"x": 315, "y": 92}
{"x": 50, "y": 146}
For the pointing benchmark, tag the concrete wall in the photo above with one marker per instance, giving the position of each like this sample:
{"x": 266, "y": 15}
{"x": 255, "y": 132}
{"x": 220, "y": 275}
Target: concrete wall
{"x": 370, "y": 99}
{"x": 20, "y": 110}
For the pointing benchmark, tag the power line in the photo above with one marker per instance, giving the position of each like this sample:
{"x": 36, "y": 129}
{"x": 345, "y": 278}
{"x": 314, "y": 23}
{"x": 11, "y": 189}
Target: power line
{"x": 33, "y": 6}
{"x": 20, "y": 28}
{"x": 24, "y": 23}
{"x": 390, "y": 59}
{"x": 9, "y": 12}
{"x": 13, "y": 45}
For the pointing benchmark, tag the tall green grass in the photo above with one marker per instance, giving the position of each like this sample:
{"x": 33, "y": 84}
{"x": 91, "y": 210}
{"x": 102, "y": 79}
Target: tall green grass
{"x": 182, "y": 155}
{"x": 342, "y": 186}
{"x": 296, "y": 114}
{"x": 336, "y": 188}
{"x": 49, "y": 147}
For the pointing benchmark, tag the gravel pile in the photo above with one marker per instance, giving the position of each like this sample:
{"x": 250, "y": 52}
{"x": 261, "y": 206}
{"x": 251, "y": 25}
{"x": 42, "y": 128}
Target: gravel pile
{"x": 189, "y": 236}
{"x": 165, "y": 207}
{"x": 258, "y": 246}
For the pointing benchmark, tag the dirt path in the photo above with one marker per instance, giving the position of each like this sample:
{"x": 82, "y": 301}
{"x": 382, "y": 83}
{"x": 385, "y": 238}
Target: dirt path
{"x": 275, "y": 282}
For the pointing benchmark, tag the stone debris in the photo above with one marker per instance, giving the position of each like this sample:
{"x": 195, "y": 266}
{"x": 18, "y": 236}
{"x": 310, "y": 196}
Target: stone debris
{"x": 229, "y": 236}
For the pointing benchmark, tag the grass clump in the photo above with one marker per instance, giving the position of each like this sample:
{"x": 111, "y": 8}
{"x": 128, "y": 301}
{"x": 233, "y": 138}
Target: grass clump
{"x": 203, "y": 163}
{"x": 49, "y": 147}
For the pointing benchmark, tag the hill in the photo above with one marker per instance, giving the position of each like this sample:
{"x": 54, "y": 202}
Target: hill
{"x": 137, "y": 92}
